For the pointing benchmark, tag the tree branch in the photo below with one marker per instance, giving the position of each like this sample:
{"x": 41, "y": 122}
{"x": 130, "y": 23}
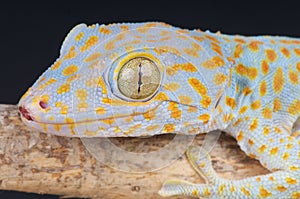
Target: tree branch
{"x": 36, "y": 162}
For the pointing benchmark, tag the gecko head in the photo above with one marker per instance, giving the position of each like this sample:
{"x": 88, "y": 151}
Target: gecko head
{"x": 127, "y": 80}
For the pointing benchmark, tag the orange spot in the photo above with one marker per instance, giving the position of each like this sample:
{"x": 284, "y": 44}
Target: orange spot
{"x": 230, "y": 102}
{"x": 274, "y": 151}
{"x": 56, "y": 65}
{"x": 197, "y": 86}
{"x": 294, "y": 168}
{"x": 108, "y": 121}
{"x": 220, "y": 78}
{"x": 285, "y": 52}
{"x": 184, "y": 99}
{"x": 258, "y": 179}
{"x": 165, "y": 49}
{"x": 267, "y": 113}
{"x": 266, "y": 131}
{"x": 278, "y": 80}
{"x": 285, "y": 156}
{"x": 206, "y": 192}
{"x": 149, "y": 115}
{"x": 254, "y": 124}
{"x": 79, "y": 36}
{"x": 265, "y": 67}
{"x": 187, "y": 67}
{"x": 243, "y": 109}
{"x": 104, "y": 30}
{"x": 57, "y": 127}
{"x": 254, "y": 45}
{"x": 250, "y": 72}
{"x": 92, "y": 57}
{"x": 204, "y": 117}
{"x": 277, "y": 130}
{"x": 245, "y": 191}
{"x": 297, "y": 51}
{"x": 100, "y": 110}
{"x": 161, "y": 97}
{"x": 205, "y": 101}
{"x": 264, "y": 193}
{"x": 92, "y": 40}
{"x": 263, "y": 88}
{"x": 215, "y": 47}
{"x": 294, "y": 108}
{"x": 291, "y": 180}
{"x": 262, "y": 148}
{"x": 175, "y": 112}
{"x": 277, "y": 105}
{"x": 281, "y": 188}
{"x": 169, "y": 128}
{"x": 195, "y": 192}
{"x": 71, "y": 53}
{"x": 193, "y": 51}
{"x": 212, "y": 38}
{"x": 293, "y": 76}
{"x": 271, "y": 55}
{"x": 298, "y": 67}
{"x": 256, "y": 105}
{"x": 238, "y": 121}
{"x": 146, "y": 27}
{"x": 213, "y": 63}
{"x": 198, "y": 38}
{"x": 296, "y": 195}
{"x": 238, "y": 50}
{"x": 63, "y": 89}
{"x": 172, "y": 86}
{"x": 70, "y": 70}
{"x": 240, "y": 136}
{"x": 239, "y": 40}
{"x": 124, "y": 27}
{"x": 250, "y": 142}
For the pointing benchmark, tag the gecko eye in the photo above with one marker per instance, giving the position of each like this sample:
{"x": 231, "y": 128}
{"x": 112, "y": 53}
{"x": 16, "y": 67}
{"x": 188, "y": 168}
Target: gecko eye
{"x": 139, "y": 78}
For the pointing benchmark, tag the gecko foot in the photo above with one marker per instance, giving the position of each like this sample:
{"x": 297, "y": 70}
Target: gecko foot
{"x": 201, "y": 162}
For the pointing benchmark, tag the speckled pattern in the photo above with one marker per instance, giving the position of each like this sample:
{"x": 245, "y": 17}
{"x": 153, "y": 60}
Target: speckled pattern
{"x": 246, "y": 86}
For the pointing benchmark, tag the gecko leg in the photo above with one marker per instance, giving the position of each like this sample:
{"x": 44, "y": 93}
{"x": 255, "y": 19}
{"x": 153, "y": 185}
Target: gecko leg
{"x": 278, "y": 184}
{"x": 201, "y": 162}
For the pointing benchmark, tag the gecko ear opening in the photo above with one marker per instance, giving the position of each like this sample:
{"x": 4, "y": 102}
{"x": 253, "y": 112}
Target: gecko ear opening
{"x": 70, "y": 38}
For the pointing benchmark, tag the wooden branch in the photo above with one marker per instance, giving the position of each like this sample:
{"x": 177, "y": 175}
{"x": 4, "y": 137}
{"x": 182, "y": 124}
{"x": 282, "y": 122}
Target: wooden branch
{"x": 36, "y": 162}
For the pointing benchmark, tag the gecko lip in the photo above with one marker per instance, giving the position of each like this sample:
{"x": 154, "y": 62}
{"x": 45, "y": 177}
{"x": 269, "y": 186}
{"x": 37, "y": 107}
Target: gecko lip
{"x": 25, "y": 113}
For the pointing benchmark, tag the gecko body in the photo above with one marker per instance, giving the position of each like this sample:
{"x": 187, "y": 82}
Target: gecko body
{"x": 140, "y": 79}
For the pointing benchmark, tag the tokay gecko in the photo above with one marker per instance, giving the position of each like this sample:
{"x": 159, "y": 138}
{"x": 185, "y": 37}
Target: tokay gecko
{"x": 143, "y": 79}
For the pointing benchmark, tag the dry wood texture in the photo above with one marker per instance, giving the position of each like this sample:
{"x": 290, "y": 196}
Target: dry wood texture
{"x": 36, "y": 162}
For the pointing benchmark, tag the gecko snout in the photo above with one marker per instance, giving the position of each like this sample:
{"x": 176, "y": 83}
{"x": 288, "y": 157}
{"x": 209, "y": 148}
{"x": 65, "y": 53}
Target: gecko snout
{"x": 25, "y": 113}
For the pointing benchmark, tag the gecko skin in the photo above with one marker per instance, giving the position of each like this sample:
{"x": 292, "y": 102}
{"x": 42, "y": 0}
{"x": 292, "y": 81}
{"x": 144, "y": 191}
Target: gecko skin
{"x": 151, "y": 78}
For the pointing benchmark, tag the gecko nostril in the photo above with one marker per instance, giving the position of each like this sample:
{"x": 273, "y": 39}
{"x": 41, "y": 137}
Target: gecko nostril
{"x": 43, "y": 104}
{"x": 25, "y": 113}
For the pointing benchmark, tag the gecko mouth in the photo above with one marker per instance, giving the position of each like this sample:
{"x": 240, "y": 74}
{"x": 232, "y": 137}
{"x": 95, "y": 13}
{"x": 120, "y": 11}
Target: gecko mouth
{"x": 25, "y": 113}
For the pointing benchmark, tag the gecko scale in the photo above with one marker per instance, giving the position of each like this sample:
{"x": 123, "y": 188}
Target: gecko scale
{"x": 132, "y": 79}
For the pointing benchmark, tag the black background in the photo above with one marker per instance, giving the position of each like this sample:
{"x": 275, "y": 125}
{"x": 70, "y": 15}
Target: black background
{"x": 32, "y": 32}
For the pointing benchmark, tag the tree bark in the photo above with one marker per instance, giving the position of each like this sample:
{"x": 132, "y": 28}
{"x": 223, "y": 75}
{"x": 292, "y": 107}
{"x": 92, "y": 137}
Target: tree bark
{"x": 39, "y": 163}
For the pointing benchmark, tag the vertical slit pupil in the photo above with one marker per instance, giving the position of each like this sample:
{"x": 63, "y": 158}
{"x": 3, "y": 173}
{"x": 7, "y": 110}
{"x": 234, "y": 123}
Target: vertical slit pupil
{"x": 140, "y": 78}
